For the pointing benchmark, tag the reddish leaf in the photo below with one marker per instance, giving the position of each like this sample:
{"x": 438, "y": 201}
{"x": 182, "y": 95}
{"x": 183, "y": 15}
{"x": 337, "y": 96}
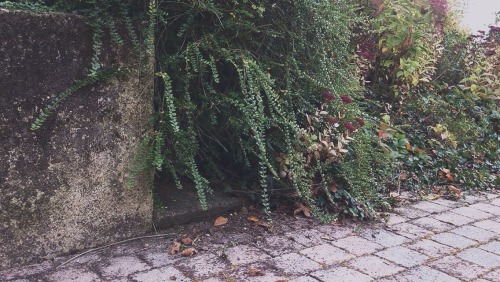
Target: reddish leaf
{"x": 188, "y": 252}
{"x": 220, "y": 221}
{"x": 174, "y": 247}
{"x": 187, "y": 241}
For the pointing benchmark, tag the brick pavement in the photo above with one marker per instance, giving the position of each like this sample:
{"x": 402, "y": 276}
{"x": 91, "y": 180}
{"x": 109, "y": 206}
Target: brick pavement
{"x": 428, "y": 241}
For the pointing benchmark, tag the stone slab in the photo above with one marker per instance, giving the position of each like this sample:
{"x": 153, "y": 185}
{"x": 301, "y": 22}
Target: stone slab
{"x": 453, "y": 218}
{"x": 295, "y": 264}
{"x": 474, "y": 233}
{"x": 341, "y": 274}
{"x": 430, "y": 207}
{"x": 489, "y": 225}
{"x": 410, "y": 230}
{"x": 480, "y": 257}
{"x": 431, "y": 248}
{"x": 487, "y": 208}
{"x": 123, "y": 266}
{"x": 203, "y": 265}
{"x": 458, "y": 268}
{"x": 374, "y": 266}
{"x": 472, "y": 213}
{"x": 384, "y": 238}
{"x": 432, "y": 224}
{"x": 421, "y": 274}
{"x": 167, "y": 273}
{"x": 492, "y": 247}
{"x": 403, "y": 256}
{"x": 453, "y": 240}
{"x": 326, "y": 254}
{"x": 357, "y": 245}
{"x": 244, "y": 254}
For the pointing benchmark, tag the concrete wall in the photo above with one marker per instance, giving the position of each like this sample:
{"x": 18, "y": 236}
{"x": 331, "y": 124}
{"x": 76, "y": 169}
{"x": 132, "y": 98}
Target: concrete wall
{"x": 63, "y": 188}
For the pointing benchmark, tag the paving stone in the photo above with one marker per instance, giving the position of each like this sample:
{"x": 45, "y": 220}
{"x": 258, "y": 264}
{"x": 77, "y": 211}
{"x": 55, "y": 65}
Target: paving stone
{"x": 480, "y": 257}
{"x": 214, "y": 279}
{"x": 374, "y": 266}
{"x": 157, "y": 259}
{"x": 472, "y": 213}
{"x": 474, "y": 233}
{"x": 384, "y": 237}
{"x": 489, "y": 225}
{"x": 300, "y": 279}
{"x": 453, "y": 240}
{"x": 73, "y": 275}
{"x": 295, "y": 264}
{"x": 410, "y": 230}
{"x": 244, "y": 254}
{"x": 430, "y": 207}
{"x": 395, "y": 219}
{"x": 491, "y": 196}
{"x": 496, "y": 202}
{"x": 278, "y": 245}
{"x": 420, "y": 274}
{"x": 493, "y": 275}
{"x": 167, "y": 273}
{"x": 307, "y": 238}
{"x": 481, "y": 280}
{"x": 410, "y": 213}
{"x": 431, "y": 248}
{"x": 453, "y": 218}
{"x": 326, "y": 254}
{"x": 458, "y": 268}
{"x": 432, "y": 224}
{"x": 341, "y": 274}
{"x": 357, "y": 245}
{"x": 123, "y": 266}
{"x": 486, "y": 208}
{"x": 242, "y": 273}
{"x": 335, "y": 232}
{"x": 28, "y": 270}
{"x": 472, "y": 199}
{"x": 403, "y": 256}
{"x": 492, "y": 247}
{"x": 447, "y": 203}
{"x": 203, "y": 265}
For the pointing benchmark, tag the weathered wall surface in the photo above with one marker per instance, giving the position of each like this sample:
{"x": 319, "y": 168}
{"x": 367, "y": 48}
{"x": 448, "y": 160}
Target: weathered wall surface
{"x": 63, "y": 187}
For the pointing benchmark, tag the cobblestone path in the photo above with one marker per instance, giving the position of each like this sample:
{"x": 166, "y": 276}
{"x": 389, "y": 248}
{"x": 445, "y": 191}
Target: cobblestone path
{"x": 427, "y": 241}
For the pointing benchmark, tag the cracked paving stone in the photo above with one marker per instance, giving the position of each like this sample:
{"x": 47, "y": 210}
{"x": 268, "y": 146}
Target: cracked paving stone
{"x": 384, "y": 237}
{"x": 453, "y": 218}
{"x": 458, "y": 268}
{"x": 357, "y": 245}
{"x": 453, "y": 240}
{"x": 203, "y": 265}
{"x": 278, "y": 245}
{"x": 431, "y": 248}
{"x": 403, "y": 256}
{"x": 472, "y": 213}
{"x": 295, "y": 264}
{"x": 374, "y": 266}
{"x": 421, "y": 274}
{"x": 489, "y": 225}
{"x": 432, "y": 224}
{"x": 73, "y": 275}
{"x": 393, "y": 219}
{"x": 430, "y": 207}
{"x": 341, "y": 274}
{"x": 241, "y": 273}
{"x": 486, "y": 208}
{"x": 492, "y": 247}
{"x": 123, "y": 266}
{"x": 245, "y": 254}
{"x": 167, "y": 273}
{"x": 410, "y": 230}
{"x": 335, "y": 232}
{"x": 326, "y": 254}
{"x": 493, "y": 276}
{"x": 480, "y": 257}
{"x": 474, "y": 233}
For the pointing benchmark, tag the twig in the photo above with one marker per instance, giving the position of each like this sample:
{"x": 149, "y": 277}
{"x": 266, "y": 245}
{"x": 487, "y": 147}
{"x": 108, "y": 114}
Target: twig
{"x": 113, "y": 244}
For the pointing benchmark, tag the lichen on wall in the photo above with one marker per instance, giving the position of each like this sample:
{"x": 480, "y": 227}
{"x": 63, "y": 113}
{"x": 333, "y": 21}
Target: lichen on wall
{"x": 63, "y": 187}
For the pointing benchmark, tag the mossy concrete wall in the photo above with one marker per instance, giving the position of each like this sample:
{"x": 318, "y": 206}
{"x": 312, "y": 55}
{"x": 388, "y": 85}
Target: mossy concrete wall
{"x": 63, "y": 187}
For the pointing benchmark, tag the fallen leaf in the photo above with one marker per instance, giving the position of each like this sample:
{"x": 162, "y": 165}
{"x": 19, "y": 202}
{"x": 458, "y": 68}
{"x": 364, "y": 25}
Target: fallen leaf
{"x": 188, "y": 252}
{"x": 431, "y": 197}
{"x": 445, "y": 173}
{"x": 333, "y": 187}
{"x": 455, "y": 190}
{"x": 252, "y": 218}
{"x": 305, "y": 210}
{"x": 382, "y": 134}
{"x": 173, "y": 278}
{"x": 174, "y": 248}
{"x": 403, "y": 176}
{"x": 220, "y": 221}
{"x": 252, "y": 272}
{"x": 187, "y": 241}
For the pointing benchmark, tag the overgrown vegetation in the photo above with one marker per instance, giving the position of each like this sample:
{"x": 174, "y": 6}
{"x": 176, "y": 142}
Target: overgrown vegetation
{"x": 331, "y": 104}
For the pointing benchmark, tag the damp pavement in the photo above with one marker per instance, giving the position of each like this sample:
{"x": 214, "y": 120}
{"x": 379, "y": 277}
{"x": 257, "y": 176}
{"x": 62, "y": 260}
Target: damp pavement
{"x": 437, "y": 240}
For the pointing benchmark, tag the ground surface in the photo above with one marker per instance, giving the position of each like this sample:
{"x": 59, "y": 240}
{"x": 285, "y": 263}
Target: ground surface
{"x": 437, "y": 240}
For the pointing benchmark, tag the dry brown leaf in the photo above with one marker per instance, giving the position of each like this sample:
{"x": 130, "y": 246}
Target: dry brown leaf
{"x": 220, "y": 221}
{"x": 174, "y": 248}
{"x": 305, "y": 210}
{"x": 173, "y": 278}
{"x": 445, "y": 173}
{"x": 252, "y": 218}
{"x": 188, "y": 252}
{"x": 252, "y": 272}
{"x": 187, "y": 241}
{"x": 403, "y": 175}
{"x": 455, "y": 190}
